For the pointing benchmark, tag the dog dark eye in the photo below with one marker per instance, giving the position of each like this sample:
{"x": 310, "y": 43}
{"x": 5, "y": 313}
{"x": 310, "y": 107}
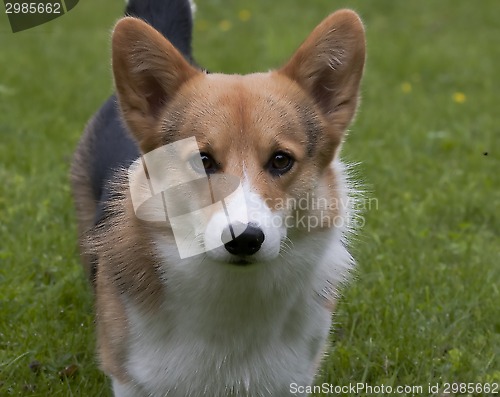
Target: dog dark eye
{"x": 280, "y": 163}
{"x": 210, "y": 166}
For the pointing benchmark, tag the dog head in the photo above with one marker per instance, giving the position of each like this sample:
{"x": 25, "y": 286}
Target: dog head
{"x": 278, "y": 133}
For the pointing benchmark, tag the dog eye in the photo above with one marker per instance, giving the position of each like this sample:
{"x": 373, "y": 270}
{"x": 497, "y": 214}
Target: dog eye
{"x": 210, "y": 166}
{"x": 280, "y": 163}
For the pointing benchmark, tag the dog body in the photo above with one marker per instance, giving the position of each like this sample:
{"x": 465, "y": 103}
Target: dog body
{"x": 249, "y": 314}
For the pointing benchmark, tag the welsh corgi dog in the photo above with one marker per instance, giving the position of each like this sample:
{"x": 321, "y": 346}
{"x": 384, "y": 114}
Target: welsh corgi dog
{"x": 214, "y": 211}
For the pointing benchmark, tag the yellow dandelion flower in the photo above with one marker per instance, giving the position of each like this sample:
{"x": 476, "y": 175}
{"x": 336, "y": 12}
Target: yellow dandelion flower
{"x": 225, "y": 25}
{"x": 407, "y": 196}
{"x": 459, "y": 97}
{"x": 244, "y": 15}
{"x": 406, "y": 87}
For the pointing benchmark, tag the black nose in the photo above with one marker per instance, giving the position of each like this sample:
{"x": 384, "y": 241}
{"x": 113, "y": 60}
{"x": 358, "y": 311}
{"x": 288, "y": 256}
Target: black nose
{"x": 247, "y": 243}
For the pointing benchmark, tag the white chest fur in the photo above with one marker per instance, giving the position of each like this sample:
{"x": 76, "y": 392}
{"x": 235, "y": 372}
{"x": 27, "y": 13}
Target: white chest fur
{"x": 236, "y": 332}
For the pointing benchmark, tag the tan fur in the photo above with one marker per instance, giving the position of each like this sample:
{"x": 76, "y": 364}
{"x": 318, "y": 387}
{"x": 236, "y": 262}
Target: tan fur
{"x": 119, "y": 278}
{"x": 302, "y": 108}
{"x": 111, "y": 328}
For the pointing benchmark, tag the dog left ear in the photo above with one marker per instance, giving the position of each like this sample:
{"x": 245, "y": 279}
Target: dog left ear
{"x": 329, "y": 66}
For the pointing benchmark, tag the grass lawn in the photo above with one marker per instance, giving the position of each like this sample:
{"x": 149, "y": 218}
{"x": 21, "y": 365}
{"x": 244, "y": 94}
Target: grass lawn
{"x": 424, "y": 304}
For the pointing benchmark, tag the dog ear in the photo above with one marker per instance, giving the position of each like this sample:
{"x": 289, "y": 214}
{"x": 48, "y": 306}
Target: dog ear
{"x": 329, "y": 65}
{"x": 148, "y": 71}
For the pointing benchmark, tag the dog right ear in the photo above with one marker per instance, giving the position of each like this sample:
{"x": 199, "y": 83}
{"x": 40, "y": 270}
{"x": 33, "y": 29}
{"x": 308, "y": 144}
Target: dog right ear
{"x": 329, "y": 66}
{"x": 148, "y": 71}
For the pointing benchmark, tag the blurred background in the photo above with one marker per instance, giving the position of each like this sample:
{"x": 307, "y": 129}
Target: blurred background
{"x": 422, "y": 307}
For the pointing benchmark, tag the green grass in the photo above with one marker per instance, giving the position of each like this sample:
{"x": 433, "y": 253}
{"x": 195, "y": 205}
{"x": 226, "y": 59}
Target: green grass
{"x": 423, "y": 306}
